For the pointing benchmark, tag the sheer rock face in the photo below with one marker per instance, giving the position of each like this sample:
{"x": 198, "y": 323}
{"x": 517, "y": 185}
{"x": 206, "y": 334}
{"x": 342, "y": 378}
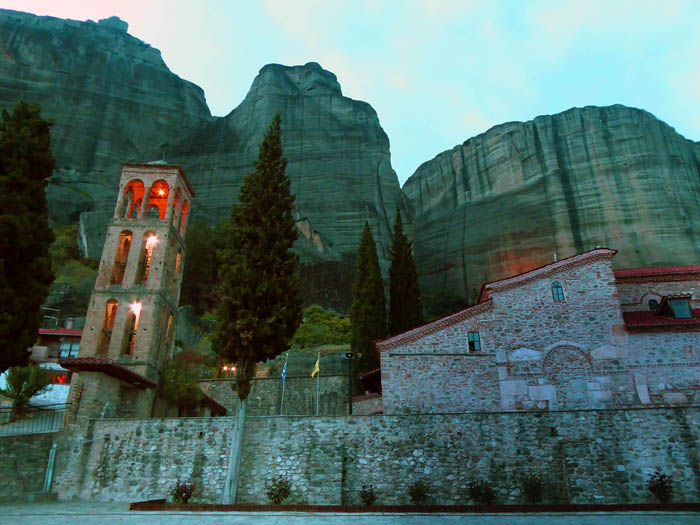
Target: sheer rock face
{"x": 111, "y": 96}
{"x": 337, "y": 153}
{"x": 507, "y": 200}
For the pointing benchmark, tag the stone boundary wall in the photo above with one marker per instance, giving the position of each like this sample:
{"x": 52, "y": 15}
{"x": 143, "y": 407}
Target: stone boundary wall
{"x": 23, "y": 461}
{"x": 140, "y": 459}
{"x": 586, "y": 456}
{"x": 299, "y": 395}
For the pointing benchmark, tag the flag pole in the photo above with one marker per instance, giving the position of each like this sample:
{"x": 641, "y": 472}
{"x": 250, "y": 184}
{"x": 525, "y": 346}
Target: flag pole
{"x": 318, "y": 381}
{"x": 284, "y": 374}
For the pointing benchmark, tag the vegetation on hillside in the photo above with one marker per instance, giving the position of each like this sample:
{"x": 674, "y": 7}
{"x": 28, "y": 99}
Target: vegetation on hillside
{"x": 321, "y": 327}
{"x": 25, "y": 268}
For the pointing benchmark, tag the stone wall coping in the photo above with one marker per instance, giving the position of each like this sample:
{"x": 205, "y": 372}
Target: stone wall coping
{"x": 486, "y": 413}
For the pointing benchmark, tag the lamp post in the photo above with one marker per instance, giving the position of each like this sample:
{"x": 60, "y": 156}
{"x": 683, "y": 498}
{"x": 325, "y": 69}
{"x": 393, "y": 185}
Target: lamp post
{"x": 349, "y": 356}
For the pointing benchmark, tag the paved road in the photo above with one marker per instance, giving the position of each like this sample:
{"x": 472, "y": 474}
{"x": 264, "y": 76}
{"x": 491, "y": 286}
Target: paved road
{"x": 87, "y": 513}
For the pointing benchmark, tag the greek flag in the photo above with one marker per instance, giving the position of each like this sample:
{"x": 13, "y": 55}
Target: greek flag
{"x": 284, "y": 369}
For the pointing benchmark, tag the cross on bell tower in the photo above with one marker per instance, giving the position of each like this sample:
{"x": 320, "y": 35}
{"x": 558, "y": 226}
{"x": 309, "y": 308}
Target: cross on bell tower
{"x": 130, "y": 321}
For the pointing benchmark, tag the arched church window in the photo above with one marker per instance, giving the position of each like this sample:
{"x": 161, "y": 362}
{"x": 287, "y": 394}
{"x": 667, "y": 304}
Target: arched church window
{"x": 122, "y": 256}
{"x": 653, "y": 304}
{"x": 107, "y": 325}
{"x": 557, "y": 292}
{"x": 130, "y": 327}
{"x": 158, "y": 197}
{"x": 148, "y": 245}
{"x": 133, "y": 197}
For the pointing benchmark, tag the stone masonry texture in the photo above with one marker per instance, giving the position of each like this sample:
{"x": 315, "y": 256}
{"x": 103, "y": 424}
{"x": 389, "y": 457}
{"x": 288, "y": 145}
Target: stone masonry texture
{"x": 584, "y": 456}
{"x": 23, "y": 461}
{"x": 139, "y": 459}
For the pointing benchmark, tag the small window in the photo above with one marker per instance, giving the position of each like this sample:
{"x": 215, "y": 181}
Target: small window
{"x": 681, "y": 308}
{"x": 653, "y": 304}
{"x": 474, "y": 343}
{"x": 68, "y": 348}
{"x": 557, "y": 292}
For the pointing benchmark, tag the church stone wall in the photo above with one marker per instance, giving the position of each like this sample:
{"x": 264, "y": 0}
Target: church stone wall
{"x": 538, "y": 354}
{"x": 23, "y": 461}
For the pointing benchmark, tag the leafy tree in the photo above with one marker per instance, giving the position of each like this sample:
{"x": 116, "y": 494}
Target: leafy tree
{"x": 23, "y": 383}
{"x": 201, "y": 267}
{"x": 404, "y": 292}
{"x": 259, "y": 309}
{"x": 25, "y": 266}
{"x": 321, "y": 327}
{"x": 368, "y": 312}
{"x": 179, "y": 383}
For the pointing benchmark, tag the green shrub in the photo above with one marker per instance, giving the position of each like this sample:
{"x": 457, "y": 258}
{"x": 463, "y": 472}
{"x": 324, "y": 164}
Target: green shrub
{"x": 418, "y": 492}
{"x": 532, "y": 488}
{"x": 278, "y": 489}
{"x": 367, "y": 494}
{"x": 321, "y": 327}
{"x": 182, "y": 492}
{"x": 23, "y": 383}
{"x": 179, "y": 383}
{"x": 661, "y": 486}
{"x": 481, "y": 492}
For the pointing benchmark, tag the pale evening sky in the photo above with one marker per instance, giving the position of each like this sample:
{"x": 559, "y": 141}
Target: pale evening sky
{"x": 436, "y": 71}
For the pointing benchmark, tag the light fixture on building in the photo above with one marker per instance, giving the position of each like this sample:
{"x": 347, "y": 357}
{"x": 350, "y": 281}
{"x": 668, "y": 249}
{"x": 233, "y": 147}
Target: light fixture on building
{"x": 151, "y": 242}
{"x": 135, "y": 308}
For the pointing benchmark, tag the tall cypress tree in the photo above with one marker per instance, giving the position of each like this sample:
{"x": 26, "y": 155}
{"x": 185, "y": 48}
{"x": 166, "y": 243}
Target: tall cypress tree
{"x": 404, "y": 291}
{"x": 259, "y": 309}
{"x": 25, "y": 266}
{"x": 368, "y": 312}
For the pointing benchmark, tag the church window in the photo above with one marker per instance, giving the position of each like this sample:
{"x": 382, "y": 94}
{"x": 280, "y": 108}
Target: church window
{"x": 474, "y": 342}
{"x": 122, "y": 256}
{"x": 653, "y": 304}
{"x": 147, "y": 246}
{"x": 158, "y": 198}
{"x": 680, "y": 309}
{"x": 133, "y": 197}
{"x": 557, "y": 292}
{"x": 107, "y": 325}
{"x": 132, "y": 324}
{"x": 183, "y": 217}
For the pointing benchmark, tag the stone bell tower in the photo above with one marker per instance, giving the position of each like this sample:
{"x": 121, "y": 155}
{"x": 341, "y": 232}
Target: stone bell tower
{"x": 130, "y": 321}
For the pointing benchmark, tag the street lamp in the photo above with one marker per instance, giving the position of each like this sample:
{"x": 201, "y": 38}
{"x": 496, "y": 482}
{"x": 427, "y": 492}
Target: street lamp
{"x": 349, "y": 356}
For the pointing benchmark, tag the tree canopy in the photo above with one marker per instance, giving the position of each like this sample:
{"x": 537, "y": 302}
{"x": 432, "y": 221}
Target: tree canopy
{"x": 259, "y": 308}
{"x": 368, "y": 312}
{"x": 404, "y": 292}
{"x": 25, "y": 266}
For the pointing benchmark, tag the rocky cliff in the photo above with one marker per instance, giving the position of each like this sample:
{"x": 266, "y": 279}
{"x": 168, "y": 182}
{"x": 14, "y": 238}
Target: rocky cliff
{"x": 114, "y": 100}
{"x": 111, "y": 96}
{"x": 337, "y": 153}
{"x": 507, "y": 200}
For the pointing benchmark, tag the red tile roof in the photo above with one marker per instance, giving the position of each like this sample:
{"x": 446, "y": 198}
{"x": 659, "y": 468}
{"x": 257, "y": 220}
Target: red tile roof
{"x": 60, "y": 331}
{"x": 647, "y": 318}
{"x": 623, "y": 274}
{"x": 109, "y": 367}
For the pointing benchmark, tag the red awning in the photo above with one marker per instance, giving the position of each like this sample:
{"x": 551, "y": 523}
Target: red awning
{"x": 61, "y": 331}
{"x": 107, "y": 366}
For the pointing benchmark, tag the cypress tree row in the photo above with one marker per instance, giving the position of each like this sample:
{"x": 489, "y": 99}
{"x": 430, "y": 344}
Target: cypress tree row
{"x": 404, "y": 291}
{"x": 368, "y": 311}
{"x": 25, "y": 266}
{"x": 259, "y": 309}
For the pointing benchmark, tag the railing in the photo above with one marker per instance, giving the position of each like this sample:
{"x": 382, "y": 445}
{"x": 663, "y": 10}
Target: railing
{"x": 34, "y": 420}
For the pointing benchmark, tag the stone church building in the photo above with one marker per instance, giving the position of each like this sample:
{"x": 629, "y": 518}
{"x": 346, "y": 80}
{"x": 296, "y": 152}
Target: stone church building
{"x": 571, "y": 335}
